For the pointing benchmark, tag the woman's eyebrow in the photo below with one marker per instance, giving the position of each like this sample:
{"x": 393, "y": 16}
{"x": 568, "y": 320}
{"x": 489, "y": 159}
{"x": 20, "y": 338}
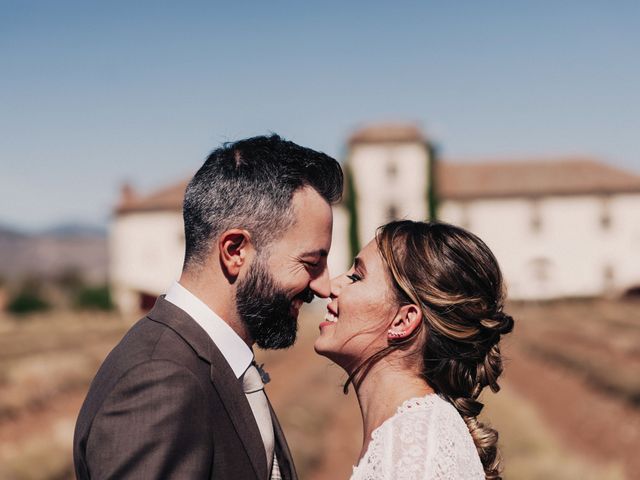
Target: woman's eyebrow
{"x": 359, "y": 265}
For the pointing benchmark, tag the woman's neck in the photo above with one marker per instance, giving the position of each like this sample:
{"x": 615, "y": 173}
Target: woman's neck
{"x": 382, "y": 391}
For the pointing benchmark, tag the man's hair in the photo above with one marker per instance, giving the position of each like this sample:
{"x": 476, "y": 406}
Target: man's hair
{"x": 249, "y": 184}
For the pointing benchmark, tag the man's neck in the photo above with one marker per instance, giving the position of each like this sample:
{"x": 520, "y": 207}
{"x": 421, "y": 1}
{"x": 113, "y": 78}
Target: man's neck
{"x": 219, "y": 296}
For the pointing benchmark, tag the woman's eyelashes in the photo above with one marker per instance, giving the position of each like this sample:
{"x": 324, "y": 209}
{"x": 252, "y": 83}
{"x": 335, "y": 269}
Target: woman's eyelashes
{"x": 354, "y": 277}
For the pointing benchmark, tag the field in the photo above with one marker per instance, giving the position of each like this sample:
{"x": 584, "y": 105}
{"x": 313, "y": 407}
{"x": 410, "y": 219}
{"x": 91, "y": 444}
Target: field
{"x": 569, "y": 408}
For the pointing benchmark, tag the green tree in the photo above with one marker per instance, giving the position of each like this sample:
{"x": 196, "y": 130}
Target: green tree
{"x": 352, "y": 208}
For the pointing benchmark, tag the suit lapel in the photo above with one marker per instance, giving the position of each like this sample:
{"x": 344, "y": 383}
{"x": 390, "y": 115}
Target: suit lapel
{"x": 222, "y": 377}
{"x": 239, "y": 410}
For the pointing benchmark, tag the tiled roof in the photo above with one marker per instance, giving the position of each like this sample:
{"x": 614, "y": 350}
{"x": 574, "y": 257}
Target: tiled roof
{"x": 565, "y": 176}
{"x": 468, "y": 181}
{"x": 387, "y": 133}
{"x": 168, "y": 198}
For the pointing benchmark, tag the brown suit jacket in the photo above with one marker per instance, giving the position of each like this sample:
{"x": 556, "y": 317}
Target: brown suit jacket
{"x": 165, "y": 404}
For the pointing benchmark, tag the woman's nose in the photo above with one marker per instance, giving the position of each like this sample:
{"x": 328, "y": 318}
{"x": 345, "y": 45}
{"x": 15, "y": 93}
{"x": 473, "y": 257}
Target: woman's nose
{"x": 336, "y": 286}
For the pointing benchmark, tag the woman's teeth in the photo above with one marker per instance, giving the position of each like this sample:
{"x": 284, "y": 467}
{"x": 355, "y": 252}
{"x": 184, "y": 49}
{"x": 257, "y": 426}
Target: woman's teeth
{"x": 330, "y": 317}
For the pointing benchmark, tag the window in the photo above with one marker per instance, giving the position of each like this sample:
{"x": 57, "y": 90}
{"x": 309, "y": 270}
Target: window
{"x": 392, "y": 213}
{"x": 392, "y": 169}
{"x": 605, "y": 214}
{"x": 608, "y": 278}
{"x": 536, "y": 217}
{"x": 540, "y": 269}
{"x": 465, "y": 218}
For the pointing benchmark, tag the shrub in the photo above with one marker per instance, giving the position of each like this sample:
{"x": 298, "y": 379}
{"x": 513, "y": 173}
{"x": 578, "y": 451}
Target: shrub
{"x": 94, "y": 298}
{"x": 27, "y": 302}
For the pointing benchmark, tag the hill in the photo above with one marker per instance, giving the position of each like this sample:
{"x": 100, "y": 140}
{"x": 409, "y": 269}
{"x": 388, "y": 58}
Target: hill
{"x": 49, "y": 253}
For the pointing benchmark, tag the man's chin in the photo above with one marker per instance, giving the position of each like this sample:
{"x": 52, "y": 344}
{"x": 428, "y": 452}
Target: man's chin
{"x": 279, "y": 338}
{"x": 277, "y": 345}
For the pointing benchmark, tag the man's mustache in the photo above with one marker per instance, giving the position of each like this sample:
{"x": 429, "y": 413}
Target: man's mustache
{"x": 306, "y": 296}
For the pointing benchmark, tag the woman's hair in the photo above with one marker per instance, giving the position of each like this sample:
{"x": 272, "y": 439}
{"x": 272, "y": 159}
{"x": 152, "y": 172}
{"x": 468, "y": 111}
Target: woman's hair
{"x": 455, "y": 279}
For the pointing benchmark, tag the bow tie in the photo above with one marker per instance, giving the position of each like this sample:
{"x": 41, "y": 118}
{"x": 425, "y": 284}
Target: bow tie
{"x": 264, "y": 376}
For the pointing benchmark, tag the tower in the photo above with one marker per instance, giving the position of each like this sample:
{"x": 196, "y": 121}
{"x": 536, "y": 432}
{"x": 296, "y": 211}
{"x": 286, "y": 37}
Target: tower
{"x": 389, "y": 169}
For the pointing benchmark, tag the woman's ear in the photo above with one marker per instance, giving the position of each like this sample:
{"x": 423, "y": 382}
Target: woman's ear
{"x": 408, "y": 318}
{"x": 234, "y": 246}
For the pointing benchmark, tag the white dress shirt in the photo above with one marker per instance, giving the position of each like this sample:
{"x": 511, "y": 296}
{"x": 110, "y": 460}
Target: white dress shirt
{"x": 235, "y": 351}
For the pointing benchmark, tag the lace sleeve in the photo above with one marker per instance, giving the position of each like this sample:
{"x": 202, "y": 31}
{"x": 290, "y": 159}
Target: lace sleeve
{"x": 421, "y": 443}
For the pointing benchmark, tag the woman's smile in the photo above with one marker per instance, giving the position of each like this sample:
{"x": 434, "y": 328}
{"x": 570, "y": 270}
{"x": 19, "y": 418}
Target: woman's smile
{"x": 357, "y": 312}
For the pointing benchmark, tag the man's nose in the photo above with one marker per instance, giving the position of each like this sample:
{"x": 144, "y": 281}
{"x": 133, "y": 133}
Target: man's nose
{"x": 321, "y": 285}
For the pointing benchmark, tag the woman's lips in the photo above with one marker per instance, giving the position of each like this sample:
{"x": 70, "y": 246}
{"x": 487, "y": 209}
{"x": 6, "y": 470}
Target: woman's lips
{"x": 329, "y": 319}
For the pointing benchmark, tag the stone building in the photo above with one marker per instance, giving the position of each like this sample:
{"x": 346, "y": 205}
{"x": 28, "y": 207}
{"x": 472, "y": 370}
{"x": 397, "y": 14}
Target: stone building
{"x": 560, "y": 227}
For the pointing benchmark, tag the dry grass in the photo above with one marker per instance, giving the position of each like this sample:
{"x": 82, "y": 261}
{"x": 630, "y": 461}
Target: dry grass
{"x": 46, "y": 363}
{"x": 44, "y": 457}
{"x": 529, "y": 447}
{"x": 598, "y": 340}
{"x": 42, "y": 357}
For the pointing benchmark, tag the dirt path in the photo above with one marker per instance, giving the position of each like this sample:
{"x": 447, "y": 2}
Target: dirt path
{"x": 36, "y": 421}
{"x": 323, "y": 426}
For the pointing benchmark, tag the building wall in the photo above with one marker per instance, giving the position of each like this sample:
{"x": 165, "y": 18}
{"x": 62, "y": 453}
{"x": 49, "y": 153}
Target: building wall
{"x": 390, "y": 182}
{"x": 548, "y": 247}
{"x": 147, "y": 252}
{"x": 553, "y": 247}
{"x": 146, "y": 255}
{"x": 340, "y": 260}
{"x": 624, "y": 250}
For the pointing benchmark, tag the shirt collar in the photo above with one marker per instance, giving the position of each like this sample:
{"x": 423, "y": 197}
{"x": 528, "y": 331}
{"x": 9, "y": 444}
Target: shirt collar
{"x": 232, "y": 347}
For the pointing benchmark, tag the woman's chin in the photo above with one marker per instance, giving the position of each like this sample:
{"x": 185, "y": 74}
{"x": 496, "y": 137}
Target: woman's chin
{"x": 321, "y": 348}
{"x": 336, "y": 356}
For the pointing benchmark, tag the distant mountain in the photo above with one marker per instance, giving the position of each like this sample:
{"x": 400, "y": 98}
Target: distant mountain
{"x": 75, "y": 230}
{"x": 7, "y": 232}
{"x": 47, "y": 254}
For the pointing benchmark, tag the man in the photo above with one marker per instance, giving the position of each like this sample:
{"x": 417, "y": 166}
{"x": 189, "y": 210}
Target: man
{"x": 178, "y": 397}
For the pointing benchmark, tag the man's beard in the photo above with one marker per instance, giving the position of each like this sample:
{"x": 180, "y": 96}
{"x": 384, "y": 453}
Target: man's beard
{"x": 265, "y": 308}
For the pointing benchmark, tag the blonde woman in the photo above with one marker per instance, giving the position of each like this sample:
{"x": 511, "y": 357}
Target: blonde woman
{"x": 416, "y": 323}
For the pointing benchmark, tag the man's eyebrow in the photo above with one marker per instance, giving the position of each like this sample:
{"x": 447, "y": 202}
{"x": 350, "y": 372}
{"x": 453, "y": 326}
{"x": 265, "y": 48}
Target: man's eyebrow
{"x": 315, "y": 253}
{"x": 359, "y": 265}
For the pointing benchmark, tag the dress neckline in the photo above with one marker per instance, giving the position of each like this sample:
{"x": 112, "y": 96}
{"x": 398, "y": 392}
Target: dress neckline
{"x": 413, "y": 403}
{"x": 416, "y": 402}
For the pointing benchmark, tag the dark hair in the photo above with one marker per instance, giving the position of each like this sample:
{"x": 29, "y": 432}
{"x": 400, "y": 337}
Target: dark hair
{"x": 249, "y": 184}
{"x": 455, "y": 280}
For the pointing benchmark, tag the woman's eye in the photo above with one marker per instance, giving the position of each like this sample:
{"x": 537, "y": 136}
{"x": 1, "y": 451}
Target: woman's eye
{"x": 354, "y": 277}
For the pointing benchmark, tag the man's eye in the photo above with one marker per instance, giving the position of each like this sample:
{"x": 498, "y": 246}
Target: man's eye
{"x": 312, "y": 264}
{"x": 354, "y": 277}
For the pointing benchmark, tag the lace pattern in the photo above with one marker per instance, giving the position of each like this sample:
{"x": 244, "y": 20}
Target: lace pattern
{"x": 425, "y": 439}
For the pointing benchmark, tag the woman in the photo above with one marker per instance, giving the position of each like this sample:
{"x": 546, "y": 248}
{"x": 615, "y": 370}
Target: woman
{"x": 416, "y": 324}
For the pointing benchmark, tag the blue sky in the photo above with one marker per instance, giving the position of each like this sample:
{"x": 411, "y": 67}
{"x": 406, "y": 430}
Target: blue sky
{"x": 95, "y": 93}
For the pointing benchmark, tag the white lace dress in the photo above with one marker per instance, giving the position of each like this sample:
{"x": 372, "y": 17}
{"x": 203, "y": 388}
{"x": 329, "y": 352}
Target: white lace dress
{"x": 425, "y": 440}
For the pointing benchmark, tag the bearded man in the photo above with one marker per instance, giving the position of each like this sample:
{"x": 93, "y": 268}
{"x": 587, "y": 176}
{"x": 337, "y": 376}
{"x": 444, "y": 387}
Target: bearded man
{"x": 179, "y": 397}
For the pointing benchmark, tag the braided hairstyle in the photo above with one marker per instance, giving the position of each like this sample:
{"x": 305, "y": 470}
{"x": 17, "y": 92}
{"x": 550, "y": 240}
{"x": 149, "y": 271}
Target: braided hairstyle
{"x": 454, "y": 278}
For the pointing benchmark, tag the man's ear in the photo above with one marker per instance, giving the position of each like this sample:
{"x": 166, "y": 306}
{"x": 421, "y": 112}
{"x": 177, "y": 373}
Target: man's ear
{"x": 408, "y": 318}
{"x": 235, "y": 248}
